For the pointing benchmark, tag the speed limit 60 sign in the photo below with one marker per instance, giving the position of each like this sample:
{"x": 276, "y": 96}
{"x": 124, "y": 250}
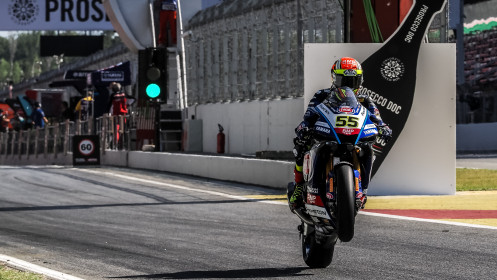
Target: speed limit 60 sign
{"x": 86, "y": 150}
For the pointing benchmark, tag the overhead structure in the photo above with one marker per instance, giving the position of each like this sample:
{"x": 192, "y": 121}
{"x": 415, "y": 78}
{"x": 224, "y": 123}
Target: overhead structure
{"x": 132, "y": 20}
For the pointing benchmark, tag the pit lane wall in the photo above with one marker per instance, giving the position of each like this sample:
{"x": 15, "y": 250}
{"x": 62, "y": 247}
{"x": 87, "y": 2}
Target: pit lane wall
{"x": 269, "y": 173}
{"x": 477, "y": 138}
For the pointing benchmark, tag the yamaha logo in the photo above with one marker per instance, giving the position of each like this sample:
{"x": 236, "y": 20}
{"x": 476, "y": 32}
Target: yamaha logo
{"x": 23, "y": 12}
{"x": 392, "y": 69}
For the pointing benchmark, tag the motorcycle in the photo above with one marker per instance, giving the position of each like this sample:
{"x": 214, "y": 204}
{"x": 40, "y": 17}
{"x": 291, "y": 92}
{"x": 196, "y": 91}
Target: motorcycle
{"x": 332, "y": 174}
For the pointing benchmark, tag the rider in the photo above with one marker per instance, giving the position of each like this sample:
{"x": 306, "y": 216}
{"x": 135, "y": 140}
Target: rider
{"x": 345, "y": 72}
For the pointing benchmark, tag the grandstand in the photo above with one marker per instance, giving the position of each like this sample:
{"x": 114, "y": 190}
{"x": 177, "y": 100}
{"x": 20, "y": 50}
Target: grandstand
{"x": 480, "y": 61}
{"x": 477, "y": 96}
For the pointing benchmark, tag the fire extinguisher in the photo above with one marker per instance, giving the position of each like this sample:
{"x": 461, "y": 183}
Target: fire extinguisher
{"x": 220, "y": 140}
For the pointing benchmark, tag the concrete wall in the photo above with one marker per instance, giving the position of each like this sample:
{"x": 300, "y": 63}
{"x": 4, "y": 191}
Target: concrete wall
{"x": 269, "y": 173}
{"x": 476, "y": 138}
{"x": 250, "y": 126}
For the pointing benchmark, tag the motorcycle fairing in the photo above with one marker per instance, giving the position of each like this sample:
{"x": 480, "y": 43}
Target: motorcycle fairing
{"x": 314, "y": 160}
{"x": 348, "y": 123}
{"x": 369, "y": 129}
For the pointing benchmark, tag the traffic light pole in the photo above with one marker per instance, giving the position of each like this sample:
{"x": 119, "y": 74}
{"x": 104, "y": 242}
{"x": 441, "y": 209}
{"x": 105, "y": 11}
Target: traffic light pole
{"x": 152, "y": 83}
{"x": 157, "y": 126}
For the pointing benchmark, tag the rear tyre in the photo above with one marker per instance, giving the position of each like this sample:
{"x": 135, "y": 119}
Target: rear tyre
{"x": 318, "y": 255}
{"x": 345, "y": 202}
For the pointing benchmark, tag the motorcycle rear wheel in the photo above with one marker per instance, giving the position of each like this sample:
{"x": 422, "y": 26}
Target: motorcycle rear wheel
{"x": 318, "y": 255}
{"x": 345, "y": 202}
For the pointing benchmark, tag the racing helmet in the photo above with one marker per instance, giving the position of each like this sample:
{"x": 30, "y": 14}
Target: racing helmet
{"x": 347, "y": 72}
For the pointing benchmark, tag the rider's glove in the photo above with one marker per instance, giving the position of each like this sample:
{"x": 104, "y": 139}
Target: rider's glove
{"x": 302, "y": 131}
{"x": 299, "y": 142}
{"x": 385, "y": 132}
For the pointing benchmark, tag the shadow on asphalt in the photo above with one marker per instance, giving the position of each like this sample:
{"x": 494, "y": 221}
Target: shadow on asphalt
{"x": 225, "y": 274}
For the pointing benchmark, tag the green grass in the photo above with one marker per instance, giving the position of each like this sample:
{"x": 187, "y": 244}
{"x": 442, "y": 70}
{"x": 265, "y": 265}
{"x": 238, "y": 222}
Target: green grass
{"x": 476, "y": 179}
{"x": 7, "y": 273}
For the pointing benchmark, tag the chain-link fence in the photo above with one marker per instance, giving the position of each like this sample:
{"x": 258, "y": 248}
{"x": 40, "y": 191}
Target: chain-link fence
{"x": 248, "y": 50}
{"x": 257, "y": 54}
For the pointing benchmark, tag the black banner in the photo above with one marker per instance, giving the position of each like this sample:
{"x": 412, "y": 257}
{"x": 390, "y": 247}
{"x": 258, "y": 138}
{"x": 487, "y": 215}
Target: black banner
{"x": 85, "y": 150}
{"x": 69, "y": 45}
{"x": 390, "y": 73}
{"x": 120, "y": 73}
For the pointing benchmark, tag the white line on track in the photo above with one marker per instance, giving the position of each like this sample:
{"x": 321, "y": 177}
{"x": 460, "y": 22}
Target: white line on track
{"x": 177, "y": 186}
{"x": 279, "y": 202}
{"x": 26, "y": 266}
{"x": 427, "y": 220}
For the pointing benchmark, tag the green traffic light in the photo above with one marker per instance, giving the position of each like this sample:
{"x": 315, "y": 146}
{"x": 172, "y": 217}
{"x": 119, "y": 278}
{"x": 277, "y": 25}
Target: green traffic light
{"x": 152, "y": 90}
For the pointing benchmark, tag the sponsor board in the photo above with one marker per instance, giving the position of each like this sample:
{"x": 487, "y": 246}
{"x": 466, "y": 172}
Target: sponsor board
{"x": 53, "y": 15}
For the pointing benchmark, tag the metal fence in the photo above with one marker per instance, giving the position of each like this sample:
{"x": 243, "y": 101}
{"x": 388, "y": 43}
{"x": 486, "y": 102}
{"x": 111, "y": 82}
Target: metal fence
{"x": 252, "y": 51}
{"x": 257, "y": 54}
{"x": 114, "y": 131}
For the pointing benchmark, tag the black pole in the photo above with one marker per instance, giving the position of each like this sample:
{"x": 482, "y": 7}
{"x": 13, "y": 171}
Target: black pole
{"x": 346, "y": 21}
{"x": 300, "y": 42}
{"x": 157, "y": 125}
{"x": 460, "y": 45}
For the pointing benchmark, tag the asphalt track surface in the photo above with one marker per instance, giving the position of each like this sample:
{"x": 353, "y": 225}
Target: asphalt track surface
{"x": 108, "y": 223}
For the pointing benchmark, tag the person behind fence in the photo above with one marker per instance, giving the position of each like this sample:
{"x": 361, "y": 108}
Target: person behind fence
{"x": 18, "y": 122}
{"x": 83, "y": 109}
{"x": 3, "y": 122}
{"x": 39, "y": 119}
{"x": 118, "y": 105}
{"x": 67, "y": 113}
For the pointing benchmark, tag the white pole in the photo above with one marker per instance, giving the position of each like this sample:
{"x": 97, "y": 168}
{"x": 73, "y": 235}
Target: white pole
{"x": 183, "y": 85}
{"x": 152, "y": 23}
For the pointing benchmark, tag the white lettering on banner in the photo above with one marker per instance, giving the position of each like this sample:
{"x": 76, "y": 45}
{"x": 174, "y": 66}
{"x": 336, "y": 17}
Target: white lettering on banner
{"x": 112, "y": 76}
{"x": 416, "y": 23}
{"x": 382, "y": 101}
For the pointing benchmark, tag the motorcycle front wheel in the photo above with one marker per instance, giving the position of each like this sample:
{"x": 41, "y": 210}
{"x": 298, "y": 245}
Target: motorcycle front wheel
{"x": 345, "y": 202}
{"x": 318, "y": 255}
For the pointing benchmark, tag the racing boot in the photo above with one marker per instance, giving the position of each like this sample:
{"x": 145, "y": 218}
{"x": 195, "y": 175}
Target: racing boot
{"x": 364, "y": 198}
{"x": 295, "y": 198}
{"x": 296, "y": 201}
